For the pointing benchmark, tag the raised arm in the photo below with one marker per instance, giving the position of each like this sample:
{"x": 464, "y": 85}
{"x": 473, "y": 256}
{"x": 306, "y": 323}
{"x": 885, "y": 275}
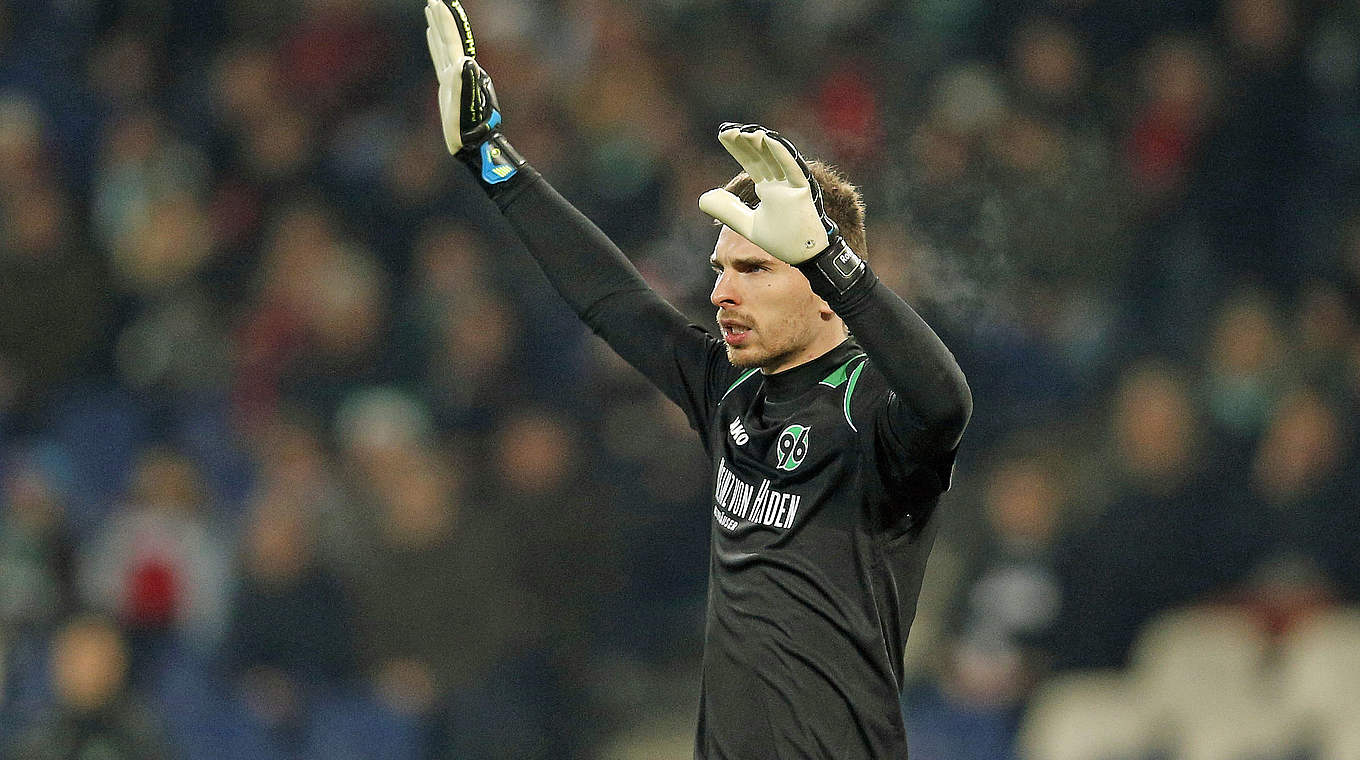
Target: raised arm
{"x": 932, "y": 403}
{"x": 581, "y": 263}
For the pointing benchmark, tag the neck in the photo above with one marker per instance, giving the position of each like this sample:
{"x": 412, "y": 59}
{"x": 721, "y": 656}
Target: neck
{"x": 824, "y": 341}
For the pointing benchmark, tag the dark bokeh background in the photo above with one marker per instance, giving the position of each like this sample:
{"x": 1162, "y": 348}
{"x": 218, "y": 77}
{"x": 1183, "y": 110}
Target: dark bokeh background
{"x": 300, "y": 458}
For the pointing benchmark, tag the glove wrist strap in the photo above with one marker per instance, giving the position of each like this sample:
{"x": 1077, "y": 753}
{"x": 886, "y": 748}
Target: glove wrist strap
{"x": 837, "y": 272}
{"x": 492, "y": 161}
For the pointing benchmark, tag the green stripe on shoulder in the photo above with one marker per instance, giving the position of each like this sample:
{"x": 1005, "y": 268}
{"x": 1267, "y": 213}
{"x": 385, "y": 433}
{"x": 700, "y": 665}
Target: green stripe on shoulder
{"x": 740, "y": 380}
{"x": 850, "y": 389}
{"x": 835, "y": 379}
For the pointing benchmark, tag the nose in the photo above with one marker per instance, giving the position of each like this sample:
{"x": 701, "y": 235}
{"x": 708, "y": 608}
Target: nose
{"x": 724, "y": 292}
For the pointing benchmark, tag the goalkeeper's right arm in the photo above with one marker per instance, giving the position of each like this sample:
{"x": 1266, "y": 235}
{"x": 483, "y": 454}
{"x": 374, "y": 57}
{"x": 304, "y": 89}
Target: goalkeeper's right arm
{"x": 468, "y": 107}
{"x": 583, "y": 265}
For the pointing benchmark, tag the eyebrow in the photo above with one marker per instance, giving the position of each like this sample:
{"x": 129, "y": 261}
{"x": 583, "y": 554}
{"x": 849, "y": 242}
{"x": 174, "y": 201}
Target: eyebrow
{"x": 748, "y": 260}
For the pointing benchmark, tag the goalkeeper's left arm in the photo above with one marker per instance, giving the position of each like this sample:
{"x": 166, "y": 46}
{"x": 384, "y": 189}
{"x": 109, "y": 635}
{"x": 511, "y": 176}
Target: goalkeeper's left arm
{"x": 933, "y": 402}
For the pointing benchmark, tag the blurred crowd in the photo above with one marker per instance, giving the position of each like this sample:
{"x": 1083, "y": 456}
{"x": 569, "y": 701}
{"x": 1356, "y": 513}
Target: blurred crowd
{"x": 301, "y": 458}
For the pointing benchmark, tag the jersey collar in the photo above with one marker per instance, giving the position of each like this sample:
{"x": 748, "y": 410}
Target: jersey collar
{"x": 793, "y": 382}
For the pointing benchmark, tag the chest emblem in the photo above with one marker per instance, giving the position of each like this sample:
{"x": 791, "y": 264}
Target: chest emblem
{"x": 792, "y": 447}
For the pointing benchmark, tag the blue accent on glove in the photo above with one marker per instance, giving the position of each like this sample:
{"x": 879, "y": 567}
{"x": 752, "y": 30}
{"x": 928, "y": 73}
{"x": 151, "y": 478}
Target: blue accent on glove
{"x": 494, "y": 121}
{"x": 496, "y": 168}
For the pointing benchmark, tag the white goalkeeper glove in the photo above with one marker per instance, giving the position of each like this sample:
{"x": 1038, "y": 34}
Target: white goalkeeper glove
{"x": 790, "y": 223}
{"x": 468, "y": 107}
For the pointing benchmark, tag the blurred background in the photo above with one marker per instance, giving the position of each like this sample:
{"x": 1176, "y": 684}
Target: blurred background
{"x": 300, "y": 458}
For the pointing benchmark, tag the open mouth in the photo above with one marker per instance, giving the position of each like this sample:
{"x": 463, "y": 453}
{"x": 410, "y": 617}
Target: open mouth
{"x": 734, "y": 333}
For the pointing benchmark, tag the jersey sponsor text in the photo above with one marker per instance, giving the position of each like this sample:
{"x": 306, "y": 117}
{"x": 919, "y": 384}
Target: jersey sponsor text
{"x": 761, "y": 505}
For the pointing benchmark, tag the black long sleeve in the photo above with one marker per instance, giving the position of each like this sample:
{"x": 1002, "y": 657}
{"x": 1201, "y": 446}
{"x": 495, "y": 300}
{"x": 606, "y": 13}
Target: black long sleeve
{"x": 604, "y": 288}
{"x": 932, "y": 403}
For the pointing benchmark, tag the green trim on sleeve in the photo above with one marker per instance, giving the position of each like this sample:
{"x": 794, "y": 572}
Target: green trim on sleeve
{"x": 835, "y": 379}
{"x": 739, "y": 381}
{"x": 849, "y": 389}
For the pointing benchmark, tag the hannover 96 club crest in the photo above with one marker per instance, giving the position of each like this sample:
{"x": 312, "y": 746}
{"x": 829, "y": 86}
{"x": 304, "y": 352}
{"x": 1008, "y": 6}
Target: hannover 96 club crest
{"x": 792, "y": 447}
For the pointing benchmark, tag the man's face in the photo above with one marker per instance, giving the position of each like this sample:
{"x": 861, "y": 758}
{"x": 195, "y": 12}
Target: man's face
{"x": 767, "y": 312}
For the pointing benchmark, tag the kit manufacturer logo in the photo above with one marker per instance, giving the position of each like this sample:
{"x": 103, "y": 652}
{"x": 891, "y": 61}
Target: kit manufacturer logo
{"x": 738, "y": 432}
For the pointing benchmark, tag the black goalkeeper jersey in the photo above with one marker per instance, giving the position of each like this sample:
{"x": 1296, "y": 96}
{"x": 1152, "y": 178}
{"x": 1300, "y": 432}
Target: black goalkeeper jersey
{"x": 820, "y": 531}
{"x": 825, "y": 478}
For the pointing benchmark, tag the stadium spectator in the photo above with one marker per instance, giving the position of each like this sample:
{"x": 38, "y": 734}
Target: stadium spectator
{"x": 162, "y": 565}
{"x": 95, "y": 712}
{"x": 36, "y": 548}
{"x": 1297, "y": 478}
{"x": 1161, "y": 540}
{"x": 292, "y": 627}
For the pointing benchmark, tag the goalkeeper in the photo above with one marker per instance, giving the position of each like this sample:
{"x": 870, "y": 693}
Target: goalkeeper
{"x": 831, "y": 413}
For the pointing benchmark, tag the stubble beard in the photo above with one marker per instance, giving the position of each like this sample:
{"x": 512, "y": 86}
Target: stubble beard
{"x": 744, "y": 359}
{"x": 764, "y": 358}
{"x": 779, "y": 338}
